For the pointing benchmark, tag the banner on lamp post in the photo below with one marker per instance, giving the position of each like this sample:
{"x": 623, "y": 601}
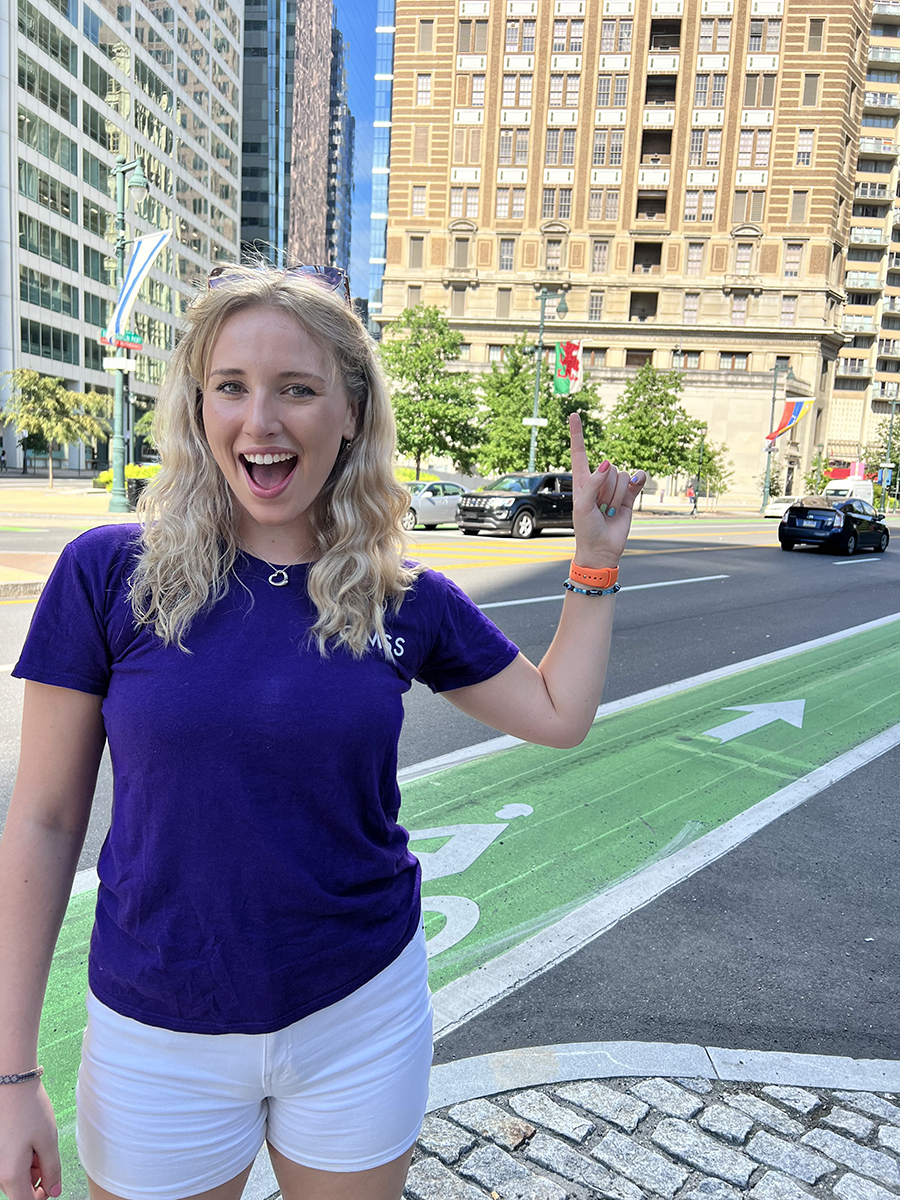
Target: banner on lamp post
{"x": 567, "y": 377}
{"x": 145, "y": 251}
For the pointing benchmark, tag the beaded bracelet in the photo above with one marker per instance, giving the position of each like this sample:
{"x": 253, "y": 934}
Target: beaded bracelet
{"x": 22, "y": 1076}
{"x": 610, "y": 591}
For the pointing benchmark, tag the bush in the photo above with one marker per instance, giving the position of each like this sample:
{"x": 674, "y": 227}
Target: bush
{"x": 408, "y": 474}
{"x": 132, "y": 471}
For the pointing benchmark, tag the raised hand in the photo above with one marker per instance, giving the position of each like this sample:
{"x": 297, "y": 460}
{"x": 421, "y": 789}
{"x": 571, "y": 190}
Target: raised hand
{"x": 603, "y": 504}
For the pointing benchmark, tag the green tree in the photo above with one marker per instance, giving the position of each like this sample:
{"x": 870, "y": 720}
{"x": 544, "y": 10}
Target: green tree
{"x": 815, "y": 478}
{"x": 46, "y": 408}
{"x": 435, "y": 409}
{"x": 715, "y": 472}
{"x": 648, "y": 428}
{"x": 507, "y": 394}
{"x": 143, "y": 427}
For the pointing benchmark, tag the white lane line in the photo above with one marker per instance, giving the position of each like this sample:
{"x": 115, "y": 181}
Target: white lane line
{"x": 853, "y": 562}
{"x": 507, "y": 741}
{"x": 466, "y": 997}
{"x": 631, "y": 587}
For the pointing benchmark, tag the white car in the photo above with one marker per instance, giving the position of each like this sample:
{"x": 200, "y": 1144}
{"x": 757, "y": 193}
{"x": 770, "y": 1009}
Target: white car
{"x": 778, "y": 506}
{"x": 431, "y": 504}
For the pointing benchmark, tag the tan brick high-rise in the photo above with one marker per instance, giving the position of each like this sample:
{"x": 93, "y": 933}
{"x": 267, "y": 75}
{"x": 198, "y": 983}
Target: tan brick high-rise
{"x": 682, "y": 169}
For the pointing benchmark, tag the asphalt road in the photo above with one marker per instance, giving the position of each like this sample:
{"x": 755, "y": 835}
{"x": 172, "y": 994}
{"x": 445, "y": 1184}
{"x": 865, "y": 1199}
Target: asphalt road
{"x": 766, "y": 948}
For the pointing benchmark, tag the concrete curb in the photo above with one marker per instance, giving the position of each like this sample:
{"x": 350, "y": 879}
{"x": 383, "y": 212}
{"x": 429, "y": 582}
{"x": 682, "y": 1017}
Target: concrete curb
{"x": 28, "y": 590}
{"x": 490, "y": 1074}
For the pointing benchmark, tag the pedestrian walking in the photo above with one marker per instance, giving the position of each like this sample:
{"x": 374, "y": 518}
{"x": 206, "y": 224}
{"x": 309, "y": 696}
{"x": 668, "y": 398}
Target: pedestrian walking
{"x": 692, "y": 497}
{"x": 258, "y": 965}
{"x": 2, "y": 458}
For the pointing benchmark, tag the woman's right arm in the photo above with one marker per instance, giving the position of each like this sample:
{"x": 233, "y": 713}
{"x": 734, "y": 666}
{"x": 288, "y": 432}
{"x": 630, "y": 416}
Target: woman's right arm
{"x": 62, "y": 741}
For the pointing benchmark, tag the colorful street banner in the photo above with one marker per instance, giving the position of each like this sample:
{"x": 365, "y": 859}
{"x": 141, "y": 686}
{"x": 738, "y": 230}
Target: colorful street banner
{"x": 145, "y": 251}
{"x": 567, "y": 377}
{"x": 794, "y": 411}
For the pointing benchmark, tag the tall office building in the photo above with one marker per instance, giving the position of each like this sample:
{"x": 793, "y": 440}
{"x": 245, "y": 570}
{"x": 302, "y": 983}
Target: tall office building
{"x": 85, "y": 81}
{"x": 311, "y": 129}
{"x": 381, "y": 156}
{"x": 342, "y": 128}
{"x": 869, "y": 367}
{"x": 268, "y": 111}
{"x": 681, "y": 169}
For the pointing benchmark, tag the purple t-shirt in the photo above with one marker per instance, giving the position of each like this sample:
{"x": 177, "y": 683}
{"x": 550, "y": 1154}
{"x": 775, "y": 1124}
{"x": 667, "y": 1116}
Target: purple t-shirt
{"x": 254, "y": 870}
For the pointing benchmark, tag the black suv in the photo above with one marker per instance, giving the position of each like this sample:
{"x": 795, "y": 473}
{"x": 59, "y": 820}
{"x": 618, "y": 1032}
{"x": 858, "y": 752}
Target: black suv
{"x": 521, "y": 504}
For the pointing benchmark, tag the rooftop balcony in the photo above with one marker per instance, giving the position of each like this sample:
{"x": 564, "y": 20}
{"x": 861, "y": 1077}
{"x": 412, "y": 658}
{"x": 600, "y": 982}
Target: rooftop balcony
{"x": 883, "y": 54}
{"x": 859, "y": 325}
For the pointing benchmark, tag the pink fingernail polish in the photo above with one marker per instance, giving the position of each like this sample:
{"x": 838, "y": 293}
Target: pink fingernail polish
{"x": 56, "y": 1190}
{"x": 604, "y": 466}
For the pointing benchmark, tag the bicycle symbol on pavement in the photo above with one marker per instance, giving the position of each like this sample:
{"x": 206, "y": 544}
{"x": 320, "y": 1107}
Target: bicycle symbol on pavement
{"x": 465, "y": 844}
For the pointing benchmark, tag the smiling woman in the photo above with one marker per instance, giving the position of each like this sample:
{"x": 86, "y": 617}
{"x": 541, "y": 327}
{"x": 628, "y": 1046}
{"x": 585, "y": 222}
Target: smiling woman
{"x": 246, "y": 653}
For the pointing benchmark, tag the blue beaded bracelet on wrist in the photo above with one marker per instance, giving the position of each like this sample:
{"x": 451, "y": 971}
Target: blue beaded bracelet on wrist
{"x": 610, "y": 591}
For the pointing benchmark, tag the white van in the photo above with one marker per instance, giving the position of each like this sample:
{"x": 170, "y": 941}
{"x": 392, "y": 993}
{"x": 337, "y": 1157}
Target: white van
{"x": 844, "y": 489}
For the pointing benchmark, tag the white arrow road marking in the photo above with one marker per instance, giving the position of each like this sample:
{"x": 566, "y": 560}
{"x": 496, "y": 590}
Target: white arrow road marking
{"x": 757, "y": 716}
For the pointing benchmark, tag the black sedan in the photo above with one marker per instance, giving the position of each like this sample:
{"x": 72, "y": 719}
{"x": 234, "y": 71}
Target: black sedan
{"x": 841, "y": 527}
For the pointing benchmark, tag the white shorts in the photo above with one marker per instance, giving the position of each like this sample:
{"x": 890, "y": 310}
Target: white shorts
{"x": 163, "y": 1115}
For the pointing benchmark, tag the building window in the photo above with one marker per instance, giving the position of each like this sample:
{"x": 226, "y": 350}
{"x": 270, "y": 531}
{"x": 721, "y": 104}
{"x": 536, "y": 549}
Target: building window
{"x": 525, "y": 86}
{"x": 607, "y": 37}
{"x": 604, "y": 91}
{"x": 708, "y": 206}
{"x": 810, "y": 91}
{"x": 504, "y": 302}
{"x": 694, "y": 258}
{"x": 460, "y": 253}
{"x": 793, "y": 253}
{"x": 457, "y": 302}
{"x": 701, "y": 91}
{"x": 620, "y": 92}
{"x": 748, "y": 206}
{"x": 512, "y": 37}
{"x": 734, "y": 361}
{"x": 556, "y": 91}
{"x": 816, "y": 37}
{"x": 551, "y": 151}
{"x": 739, "y": 308}
{"x": 616, "y": 143}
{"x": 507, "y": 254}
{"x": 686, "y": 360}
{"x": 495, "y": 354}
{"x": 472, "y": 202}
{"x": 568, "y": 148}
{"x": 417, "y": 207}
{"x": 456, "y": 202}
{"x": 413, "y": 297}
{"x": 473, "y": 37}
{"x": 477, "y": 91}
{"x": 798, "y": 207}
{"x": 521, "y": 147}
{"x": 426, "y": 36}
{"x": 805, "y": 147}
{"x": 573, "y": 83}
{"x": 548, "y": 204}
{"x": 528, "y": 28}
{"x": 599, "y": 257}
{"x": 695, "y": 153}
{"x": 502, "y": 206}
{"x": 753, "y": 147}
{"x": 764, "y": 35}
{"x": 715, "y": 34}
{"x": 508, "y": 98}
{"x": 518, "y": 203}
{"x": 595, "y": 306}
{"x": 47, "y": 342}
{"x": 598, "y": 158}
{"x": 611, "y": 205}
{"x": 691, "y": 308}
{"x": 423, "y": 89}
{"x": 717, "y": 98}
{"x": 564, "y": 210}
{"x": 416, "y": 253}
{"x": 743, "y": 255}
{"x": 465, "y": 351}
{"x": 788, "y": 311}
{"x": 691, "y": 204}
{"x": 553, "y": 261}
{"x": 505, "y": 148}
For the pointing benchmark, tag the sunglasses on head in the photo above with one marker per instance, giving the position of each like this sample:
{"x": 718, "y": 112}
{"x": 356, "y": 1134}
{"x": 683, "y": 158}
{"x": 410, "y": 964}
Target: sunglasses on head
{"x": 329, "y": 278}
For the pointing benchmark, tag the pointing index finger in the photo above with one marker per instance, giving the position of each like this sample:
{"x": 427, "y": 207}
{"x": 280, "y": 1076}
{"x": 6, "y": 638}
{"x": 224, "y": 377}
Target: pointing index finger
{"x": 580, "y": 466}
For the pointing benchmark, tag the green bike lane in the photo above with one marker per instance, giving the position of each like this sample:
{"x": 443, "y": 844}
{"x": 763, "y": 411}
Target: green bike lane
{"x": 513, "y": 842}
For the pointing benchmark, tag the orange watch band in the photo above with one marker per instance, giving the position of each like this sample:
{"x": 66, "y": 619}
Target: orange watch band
{"x": 594, "y": 577}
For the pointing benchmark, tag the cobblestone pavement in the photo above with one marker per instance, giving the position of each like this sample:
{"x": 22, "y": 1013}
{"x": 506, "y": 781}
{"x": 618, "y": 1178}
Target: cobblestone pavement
{"x": 651, "y": 1138}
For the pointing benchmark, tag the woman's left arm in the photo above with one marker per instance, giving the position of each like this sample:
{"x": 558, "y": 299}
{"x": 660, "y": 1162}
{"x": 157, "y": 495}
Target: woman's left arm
{"x": 554, "y": 704}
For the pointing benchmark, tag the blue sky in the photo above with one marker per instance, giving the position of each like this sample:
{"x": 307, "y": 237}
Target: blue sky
{"x": 356, "y": 21}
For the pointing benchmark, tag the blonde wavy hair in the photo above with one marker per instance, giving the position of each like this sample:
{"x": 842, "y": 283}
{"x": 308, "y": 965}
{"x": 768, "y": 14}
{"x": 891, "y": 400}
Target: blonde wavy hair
{"x": 188, "y": 514}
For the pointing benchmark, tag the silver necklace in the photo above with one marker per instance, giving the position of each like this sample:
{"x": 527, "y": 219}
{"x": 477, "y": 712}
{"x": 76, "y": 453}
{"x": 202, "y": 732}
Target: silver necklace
{"x": 279, "y": 576}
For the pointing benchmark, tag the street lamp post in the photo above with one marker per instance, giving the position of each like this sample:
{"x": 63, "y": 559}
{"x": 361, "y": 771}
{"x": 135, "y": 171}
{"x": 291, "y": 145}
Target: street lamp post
{"x": 770, "y": 449}
{"x": 137, "y": 185}
{"x": 561, "y": 309}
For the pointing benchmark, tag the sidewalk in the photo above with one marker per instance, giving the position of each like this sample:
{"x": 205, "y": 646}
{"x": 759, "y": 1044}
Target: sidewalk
{"x": 630, "y": 1120}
